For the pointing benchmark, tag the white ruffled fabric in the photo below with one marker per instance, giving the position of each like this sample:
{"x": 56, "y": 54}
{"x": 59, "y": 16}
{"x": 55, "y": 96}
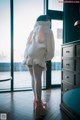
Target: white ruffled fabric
{"x": 40, "y": 45}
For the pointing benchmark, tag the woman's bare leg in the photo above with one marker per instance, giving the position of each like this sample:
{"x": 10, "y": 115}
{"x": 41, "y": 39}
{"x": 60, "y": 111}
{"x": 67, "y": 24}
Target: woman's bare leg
{"x": 32, "y": 78}
{"x": 37, "y": 71}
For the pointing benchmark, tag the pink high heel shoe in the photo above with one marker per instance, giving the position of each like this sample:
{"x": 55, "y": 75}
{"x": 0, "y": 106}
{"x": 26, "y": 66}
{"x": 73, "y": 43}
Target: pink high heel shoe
{"x": 43, "y": 103}
{"x": 40, "y": 110}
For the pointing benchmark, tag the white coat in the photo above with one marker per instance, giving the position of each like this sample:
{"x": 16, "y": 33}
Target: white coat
{"x": 40, "y": 45}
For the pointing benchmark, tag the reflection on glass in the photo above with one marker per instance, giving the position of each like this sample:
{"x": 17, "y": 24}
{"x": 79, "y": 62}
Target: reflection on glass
{"x": 57, "y": 27}
{"x": 56, "y": 5}
{"x": 4, "y": 44}
{"x": 25, "y": 15}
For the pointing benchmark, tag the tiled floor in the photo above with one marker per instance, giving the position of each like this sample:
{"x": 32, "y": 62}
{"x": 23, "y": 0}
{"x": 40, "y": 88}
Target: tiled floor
{"x": 23, "y": 80}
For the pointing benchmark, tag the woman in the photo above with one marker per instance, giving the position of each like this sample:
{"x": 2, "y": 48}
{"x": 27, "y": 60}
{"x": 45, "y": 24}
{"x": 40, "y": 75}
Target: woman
{"x": 39, "y": 49}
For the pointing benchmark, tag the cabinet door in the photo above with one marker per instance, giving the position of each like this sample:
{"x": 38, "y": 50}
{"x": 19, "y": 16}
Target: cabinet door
{"x": 68, "y": 64}
{"x": 66, "y": 87}
{"x": 68, "y": 51}
{"x": 68, "y": 77}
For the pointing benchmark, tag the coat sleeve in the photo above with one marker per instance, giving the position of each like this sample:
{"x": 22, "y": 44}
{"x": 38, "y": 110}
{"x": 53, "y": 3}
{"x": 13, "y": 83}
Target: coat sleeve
{"x": 50, "y": 45}
{"x": 29, "y": 41}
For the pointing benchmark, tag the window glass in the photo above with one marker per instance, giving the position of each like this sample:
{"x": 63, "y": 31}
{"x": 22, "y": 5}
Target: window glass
{"x": 57, "y": 28}
{"x": 5, "y": 44}
{"x": 56, "y": 5}
{"x": 25, "y": 15}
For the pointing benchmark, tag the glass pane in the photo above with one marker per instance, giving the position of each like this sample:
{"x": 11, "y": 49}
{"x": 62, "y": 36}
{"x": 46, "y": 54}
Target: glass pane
{"x": 57, "y": 27}
{"x": 56, "y": 5}
{"x": 4, "y": 44}
{"x": 25, "y": 14}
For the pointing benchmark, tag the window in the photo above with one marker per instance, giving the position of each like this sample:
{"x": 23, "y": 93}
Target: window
{"x": 56, "y": 5}
{"x": 5, "y": 44}
{"x": 57, "y": 26}
{"x": 25, "y": 15}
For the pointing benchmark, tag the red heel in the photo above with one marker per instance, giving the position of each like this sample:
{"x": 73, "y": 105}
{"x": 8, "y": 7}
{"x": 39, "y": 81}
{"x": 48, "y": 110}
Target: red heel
{"x": 34, "y": 104}
{"x": 40, "y": 110}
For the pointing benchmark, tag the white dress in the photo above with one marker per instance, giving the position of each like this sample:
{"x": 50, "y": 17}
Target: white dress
{"x": 40, "y": 45}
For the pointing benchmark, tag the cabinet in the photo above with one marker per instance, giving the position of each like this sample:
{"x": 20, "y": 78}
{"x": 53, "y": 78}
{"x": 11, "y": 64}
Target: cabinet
{"x": 70, "y": 71}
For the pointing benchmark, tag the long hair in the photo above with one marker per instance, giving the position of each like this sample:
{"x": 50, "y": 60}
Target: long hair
{"x": 43, "y": 18}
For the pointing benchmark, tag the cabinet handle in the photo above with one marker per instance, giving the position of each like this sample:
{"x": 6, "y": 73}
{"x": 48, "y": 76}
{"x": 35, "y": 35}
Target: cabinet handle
{"x": 67, "y": 64}
{"x": 67, "y": 51}
{"x": 66, "y": 76}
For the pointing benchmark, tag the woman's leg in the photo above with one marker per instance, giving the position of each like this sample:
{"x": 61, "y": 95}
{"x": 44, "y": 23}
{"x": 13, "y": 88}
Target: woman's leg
{"x": 32, "y": 78}
{"x": 40, "y": 108}
{"x": 37, "y": 71}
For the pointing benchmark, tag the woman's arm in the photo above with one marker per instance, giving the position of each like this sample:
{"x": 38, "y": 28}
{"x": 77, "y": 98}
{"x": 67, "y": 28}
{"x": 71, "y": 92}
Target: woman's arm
{"x": 29, "y": 40}
{"x": 50, "y": 45}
